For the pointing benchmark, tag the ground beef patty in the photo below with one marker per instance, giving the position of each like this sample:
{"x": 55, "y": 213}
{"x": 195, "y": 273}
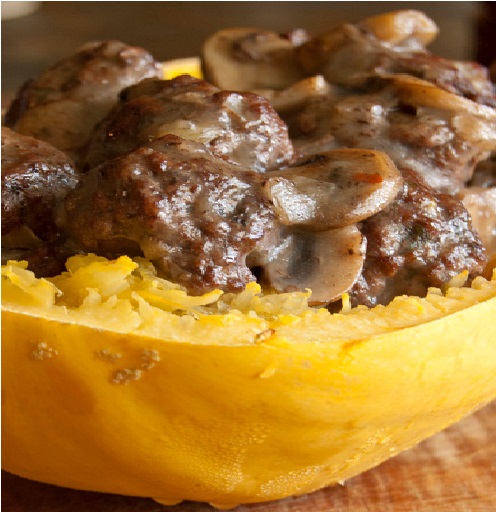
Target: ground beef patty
{"x": 421, "y": 239}
{"x": 195, "y": 216}
{"x": 35, "y": 179}
{"x": 239, "y": 127}
{"x": 35, "y": 176}
{"x": 62, "y": 105}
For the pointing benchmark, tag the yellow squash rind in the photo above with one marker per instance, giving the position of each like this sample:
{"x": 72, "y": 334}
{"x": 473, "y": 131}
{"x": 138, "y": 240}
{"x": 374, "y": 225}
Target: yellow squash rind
{"x": 230, "y": 421}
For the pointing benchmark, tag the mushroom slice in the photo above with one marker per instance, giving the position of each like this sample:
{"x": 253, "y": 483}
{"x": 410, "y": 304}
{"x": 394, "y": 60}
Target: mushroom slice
{"x": 250, "y": 58}
{"x": 422, "y": 93}
{"x": 328, "y": 263}
{"x": 480, "y": 202}
{"x": 300, "y": 93}
{"x": 402, "y": 28}
{"x": 334, "y": 188}
{"x": 356, "y": 49}
{"x": 471, "y": 120}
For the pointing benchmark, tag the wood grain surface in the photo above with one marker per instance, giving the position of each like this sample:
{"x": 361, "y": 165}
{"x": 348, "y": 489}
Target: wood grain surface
{"x": 454, "y": 471}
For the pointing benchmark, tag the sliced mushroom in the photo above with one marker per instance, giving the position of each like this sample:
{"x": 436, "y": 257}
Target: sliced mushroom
{"x": 315, "y": 55}
{"x": 418, "y": 92}
{"x": 485, "y": 173}
{"x": 245, "y": 59}
{"x": 350, "y": 52}
{"x": 405, "y": 27}
{"x": 473, "y": 121}
{"x": 299, "y": 94}
{"x": 328, "y": 263}
{"x": 481, "y": 204}
{"x": 334, "y": 189}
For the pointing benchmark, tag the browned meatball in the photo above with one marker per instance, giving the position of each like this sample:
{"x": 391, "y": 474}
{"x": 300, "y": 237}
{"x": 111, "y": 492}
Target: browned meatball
{"x": 420, "y": 240}
{"x": 62, "y": 105}
{"x": 238, "y": 127}
{"x": 35, "y": 176}
{"x": 192, "y": 214}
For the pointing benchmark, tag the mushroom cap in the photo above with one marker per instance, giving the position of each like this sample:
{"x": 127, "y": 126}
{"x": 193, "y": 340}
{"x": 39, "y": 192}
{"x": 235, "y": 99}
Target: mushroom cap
{"x": 407, "y": 27}
{"x": 473, "y": 121}
{"x": 481, "y": 204}
{"x": 299, "y": 93}
{"x": 334, "y": 188}
{"x": 326, "y": 262}
{"x": 357, "y": 44}
{"x": 249, "y": 59}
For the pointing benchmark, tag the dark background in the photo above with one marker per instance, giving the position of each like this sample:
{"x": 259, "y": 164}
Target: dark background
{"x": 177, "y": 29}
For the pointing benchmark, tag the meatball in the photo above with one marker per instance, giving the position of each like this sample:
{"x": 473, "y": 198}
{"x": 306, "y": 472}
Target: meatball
{"x": 195, "y": 216}
{"x": 63, "y": 104}
{"x": 35, "y": 176}
{"x": 422, "y": 239}
{"x": 238, "y": 127}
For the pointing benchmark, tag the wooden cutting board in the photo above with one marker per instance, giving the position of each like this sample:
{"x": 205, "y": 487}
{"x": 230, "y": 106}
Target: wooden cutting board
{"x": 453, "y": 471}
